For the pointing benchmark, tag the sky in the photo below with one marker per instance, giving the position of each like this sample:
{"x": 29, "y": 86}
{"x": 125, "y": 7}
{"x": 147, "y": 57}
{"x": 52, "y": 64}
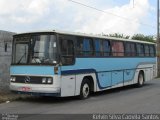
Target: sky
{"x": 127, "y": 17}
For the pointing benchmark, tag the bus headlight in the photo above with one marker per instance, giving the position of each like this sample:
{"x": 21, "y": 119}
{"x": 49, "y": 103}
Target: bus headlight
{"x": 46, "y": 80}
{"x": 13, "y": 79}
{"x": 49, "y": 81}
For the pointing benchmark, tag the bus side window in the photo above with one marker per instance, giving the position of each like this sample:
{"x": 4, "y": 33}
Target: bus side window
{"x": 84, "y": 47}
{"x": 130, "y": 49}
{"x": 146, "y": 47}
{"x": 98, "y": 47}
{"x": 106, "y": 48}
{"x": 67, "y": 52}
{"x": 140, "y": 50}
{"x": 133, "y": 49}
{"x": 127, "y": 49}
{"x": 79, "y": 46}
{"x": 117, "y": 48}
{"x": 87, "y": 47}
{"x": 152, "y": 50}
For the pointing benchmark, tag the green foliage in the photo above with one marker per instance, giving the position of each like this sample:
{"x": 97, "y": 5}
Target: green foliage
{"x": 140, "y": 37}
{"x": 117, "y": 35}
{"x": 143, "y": 38}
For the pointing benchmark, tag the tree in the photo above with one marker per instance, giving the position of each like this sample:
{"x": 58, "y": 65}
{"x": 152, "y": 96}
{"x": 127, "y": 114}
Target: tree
{"x": 118, "y": 35}
{"x": 143, "y": 38}
{"x": 140, "y": 37}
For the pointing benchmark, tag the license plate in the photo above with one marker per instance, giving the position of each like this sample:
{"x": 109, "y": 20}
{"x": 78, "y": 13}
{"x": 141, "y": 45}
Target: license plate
{"x": 25, "y": 89}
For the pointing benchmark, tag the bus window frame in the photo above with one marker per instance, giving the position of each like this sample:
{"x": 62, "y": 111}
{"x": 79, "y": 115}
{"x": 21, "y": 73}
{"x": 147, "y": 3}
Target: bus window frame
{"x": 117, "y": 56}
{"x": 130, "y": 54}
{"x": 29, "y": 35}
{"x": 147, "y": 54}
{"x": 110, "y": 49}
{"x": 69, "y": 37}
{"x": 137, "y": 52}
{"x": 154, "y": 51}
{"x": 92, "y": 51}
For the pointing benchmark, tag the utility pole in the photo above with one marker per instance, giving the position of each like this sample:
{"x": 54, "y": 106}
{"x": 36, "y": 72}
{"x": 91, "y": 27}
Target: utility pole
{"x": 158, "y": 42}
{"x": 133, "y": 3}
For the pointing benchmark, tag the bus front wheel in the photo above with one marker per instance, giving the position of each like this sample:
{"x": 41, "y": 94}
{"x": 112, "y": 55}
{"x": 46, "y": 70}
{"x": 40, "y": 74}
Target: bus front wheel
{"x": 140, "y": 79}
{"x": 85, "y": 89}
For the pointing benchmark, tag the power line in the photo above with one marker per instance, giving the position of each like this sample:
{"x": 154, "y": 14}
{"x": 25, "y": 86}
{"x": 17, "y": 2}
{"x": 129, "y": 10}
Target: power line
{"x": 124, "y": 18}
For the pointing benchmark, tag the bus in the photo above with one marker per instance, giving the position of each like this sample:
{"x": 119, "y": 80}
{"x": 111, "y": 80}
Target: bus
{"x": 62, "y": 64}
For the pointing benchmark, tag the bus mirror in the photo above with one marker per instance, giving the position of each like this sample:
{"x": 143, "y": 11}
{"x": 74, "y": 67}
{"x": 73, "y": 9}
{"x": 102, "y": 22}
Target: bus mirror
{"x": 55, "y": 70}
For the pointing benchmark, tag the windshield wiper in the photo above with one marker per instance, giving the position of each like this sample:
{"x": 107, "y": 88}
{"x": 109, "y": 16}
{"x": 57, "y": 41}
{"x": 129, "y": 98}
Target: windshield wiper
{"x": 21, "y": 58}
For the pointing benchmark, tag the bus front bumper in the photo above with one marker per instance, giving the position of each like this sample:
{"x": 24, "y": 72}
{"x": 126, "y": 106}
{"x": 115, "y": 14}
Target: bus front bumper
{"x": 40, "y": 90}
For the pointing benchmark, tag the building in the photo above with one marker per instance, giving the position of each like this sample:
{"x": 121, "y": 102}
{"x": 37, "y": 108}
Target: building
{"x": 5, "y": 58}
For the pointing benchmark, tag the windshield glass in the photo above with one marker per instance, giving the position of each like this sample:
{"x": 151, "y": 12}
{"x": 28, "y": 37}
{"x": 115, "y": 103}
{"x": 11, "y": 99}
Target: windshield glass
{"x": 22, "y": 55}
{"x": 35, "y": 49}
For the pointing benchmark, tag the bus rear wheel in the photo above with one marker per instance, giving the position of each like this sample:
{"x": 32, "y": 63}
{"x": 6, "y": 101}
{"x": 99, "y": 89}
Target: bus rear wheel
{"x": 85, "y": 89}
{"x": 140, "y": 79}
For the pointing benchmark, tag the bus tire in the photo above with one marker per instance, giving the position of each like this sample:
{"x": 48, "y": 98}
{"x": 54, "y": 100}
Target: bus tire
{"x": 140, "y": 79}
{"x": 85, "y": 89}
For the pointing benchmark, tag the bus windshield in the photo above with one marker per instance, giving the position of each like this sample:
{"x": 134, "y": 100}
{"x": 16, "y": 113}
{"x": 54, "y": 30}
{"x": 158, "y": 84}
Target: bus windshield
{"x": 35, "y": 49}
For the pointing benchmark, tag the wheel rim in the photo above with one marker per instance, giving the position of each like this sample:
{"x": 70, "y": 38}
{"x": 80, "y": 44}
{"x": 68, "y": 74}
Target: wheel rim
{"x": 141, "y": 79}
{"x": 85, "y": 90}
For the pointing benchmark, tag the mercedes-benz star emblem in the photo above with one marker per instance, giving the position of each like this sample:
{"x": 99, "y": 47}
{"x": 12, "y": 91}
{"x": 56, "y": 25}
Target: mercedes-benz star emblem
{"x": 27, "y": 79}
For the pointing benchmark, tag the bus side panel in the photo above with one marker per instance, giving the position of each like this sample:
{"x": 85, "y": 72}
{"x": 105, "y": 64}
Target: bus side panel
{"x": 115, "y": 66}
{"x": 71, "y": 84}
{"x": 148, "y": 74}
{"x": 105, "y": 79}
{"x": 80, "y": 77}
{"x": 68, "y": 85}
{"x": 117, "y": 77}
{"x": 129, "y": 75}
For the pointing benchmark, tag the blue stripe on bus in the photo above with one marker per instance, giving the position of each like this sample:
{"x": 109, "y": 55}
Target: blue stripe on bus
{"x": 80, "y": 71}
{"x": 87, "y": 71}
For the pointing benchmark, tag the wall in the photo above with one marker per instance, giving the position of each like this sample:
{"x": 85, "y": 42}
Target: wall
{"x": 5, "y": 58}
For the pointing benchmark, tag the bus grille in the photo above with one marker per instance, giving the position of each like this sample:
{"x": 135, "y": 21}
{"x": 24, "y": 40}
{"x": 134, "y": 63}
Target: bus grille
{"x": 31, "y": 80}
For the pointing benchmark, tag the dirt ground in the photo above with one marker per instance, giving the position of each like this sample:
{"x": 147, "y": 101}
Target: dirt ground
{"x": 9, "y": 96}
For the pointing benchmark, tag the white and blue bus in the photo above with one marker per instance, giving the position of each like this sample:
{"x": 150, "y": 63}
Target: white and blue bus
{"x": 57, "y": 63}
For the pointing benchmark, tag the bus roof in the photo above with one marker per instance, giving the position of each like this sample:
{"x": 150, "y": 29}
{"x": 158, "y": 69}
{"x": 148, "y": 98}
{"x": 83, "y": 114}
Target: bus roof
{"x": 86, "y": 35}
